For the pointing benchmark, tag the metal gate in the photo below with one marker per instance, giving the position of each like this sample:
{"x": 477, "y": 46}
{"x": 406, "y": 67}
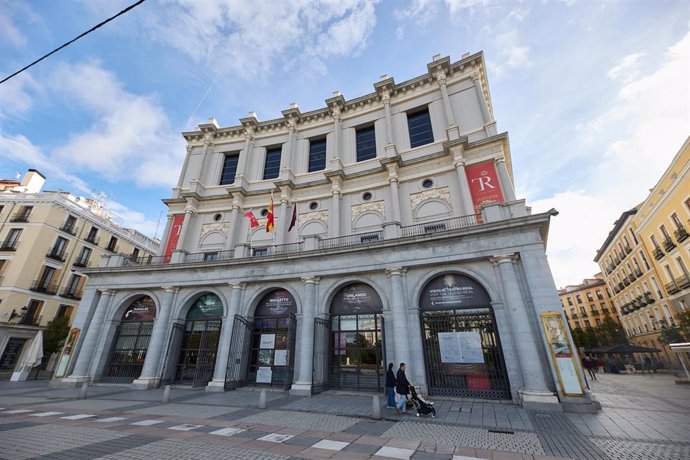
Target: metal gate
{"x": 128, "y": 352}
{"x": 198, "y": 352}
{"x": 322, "y": 354}
{"x": 477, "y": 380}
{"x": 290, "y": 370}
{"x": 173, "y": 354}
{"x": 238, "y": 361}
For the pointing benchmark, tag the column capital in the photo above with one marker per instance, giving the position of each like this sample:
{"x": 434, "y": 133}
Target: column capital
{"x": 310, "y": 279}
{"x": 396, "y": 271}
{"x": 503, "y": 258}
{"x": 208, "y": 139}
{"x": 238, "y": 286}
{"x": 189, "y": 148}
{"x": 440, "y": 77}
{"x": 500, "y": 160}
{"x": 248, "y": 134}
{"x": 475, "y": 76}
{"x": 386, "y": 97}
{"x": 171, "y": 289}
{"x": 110, "y": 292}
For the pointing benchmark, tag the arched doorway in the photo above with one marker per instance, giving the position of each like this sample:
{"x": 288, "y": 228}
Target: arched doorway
{"x": 272, "y": 351}
{"x": 199, "y": 344}
{"x": 357, "y": 339}
{"x": 462, "y": 348}
{"x": 132, "y": 336}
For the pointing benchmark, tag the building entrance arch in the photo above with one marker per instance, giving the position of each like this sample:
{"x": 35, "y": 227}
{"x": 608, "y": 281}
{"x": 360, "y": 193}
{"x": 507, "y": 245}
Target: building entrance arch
{"x": 462, "y": 347}
{"x": 199, "y": 342}
{"x": 357, "y": 339}
{"x": 131, "y": 342}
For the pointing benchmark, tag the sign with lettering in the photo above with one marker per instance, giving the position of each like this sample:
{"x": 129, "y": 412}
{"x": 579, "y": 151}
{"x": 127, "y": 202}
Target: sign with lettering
{"x": 485, "y": 187}
{"x": 174, "y": 237}
{"x": 356, "y": 299}
{"x": 562, "y": 355}
{"x": 143, "y": 309}
{"x": 451, "y": 291}
{"x": 11, "y": 354}
{"x": 207, "y": 306}
{"x": 264, "y": 375}
{"x": 460, "y": 347}
{"x": 278, "y": 302}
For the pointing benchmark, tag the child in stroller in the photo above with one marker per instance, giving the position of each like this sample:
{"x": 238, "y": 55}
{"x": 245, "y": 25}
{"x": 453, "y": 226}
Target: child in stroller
{"x": 423, "y": 407}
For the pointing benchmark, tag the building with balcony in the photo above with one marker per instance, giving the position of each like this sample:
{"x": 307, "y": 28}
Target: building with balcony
{"x": 586, "y": 304}
{"x": 397, "y": 237}
{"x": 47, "y": 240}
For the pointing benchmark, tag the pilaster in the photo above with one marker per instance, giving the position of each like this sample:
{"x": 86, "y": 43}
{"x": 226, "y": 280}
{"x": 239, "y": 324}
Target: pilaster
{"x": 302, "y": 385}
{"x": 223, "y": 354}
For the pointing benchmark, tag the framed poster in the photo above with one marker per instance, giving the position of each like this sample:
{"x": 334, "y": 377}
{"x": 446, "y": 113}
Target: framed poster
{"x": 460, "y": 347}
{"x": 264, "y": 375}
{"x": 66, "y": 354}
{"x": 267, "y": 341}
{"x": 265, "y": 358}
{"x": 280, "y": 358}
{"x": 562, "y": 356}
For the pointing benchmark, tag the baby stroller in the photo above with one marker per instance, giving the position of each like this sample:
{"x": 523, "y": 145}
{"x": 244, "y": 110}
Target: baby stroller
{"x": 423, "y": 407}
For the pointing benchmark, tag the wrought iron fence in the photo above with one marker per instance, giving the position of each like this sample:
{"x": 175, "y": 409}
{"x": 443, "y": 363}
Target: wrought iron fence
{"x": 428, "y": 228}
{"x": 351, "y": 240}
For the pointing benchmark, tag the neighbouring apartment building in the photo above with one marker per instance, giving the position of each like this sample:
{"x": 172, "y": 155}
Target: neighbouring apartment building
{"x": 646, "y": 259}
{"x": 586, "y": 304}
{"x": 47, "y": 240}
{"x": 396, "y": 237}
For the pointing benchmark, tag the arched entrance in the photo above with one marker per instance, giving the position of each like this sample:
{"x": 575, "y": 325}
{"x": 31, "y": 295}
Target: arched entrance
{"x": 357, "y": 339}
{"x": 271, "y": 361}
{"x": 132, "y": 336}
{"x": 462, "y": 348}
{"x": 199, "y": 343}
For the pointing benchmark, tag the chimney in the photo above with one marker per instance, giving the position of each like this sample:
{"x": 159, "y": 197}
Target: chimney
{"x": 33, "y": 181}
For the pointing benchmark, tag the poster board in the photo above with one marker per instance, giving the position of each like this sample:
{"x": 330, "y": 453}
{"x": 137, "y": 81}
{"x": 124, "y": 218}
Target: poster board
{"x": 264, "y": 375}
{"x": 562, "y": 355}
{"x": 267, "y": 341}
{"x": 280, "y": 358}
{"x": 460, "y": 347}
{"x": 66, "y": 354}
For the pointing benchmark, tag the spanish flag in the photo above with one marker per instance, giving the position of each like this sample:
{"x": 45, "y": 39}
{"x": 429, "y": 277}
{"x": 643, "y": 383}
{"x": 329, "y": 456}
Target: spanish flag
{"x": 270, "y": 223}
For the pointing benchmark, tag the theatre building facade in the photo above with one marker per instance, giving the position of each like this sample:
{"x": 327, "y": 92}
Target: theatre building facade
{"x": 396, "y": 237}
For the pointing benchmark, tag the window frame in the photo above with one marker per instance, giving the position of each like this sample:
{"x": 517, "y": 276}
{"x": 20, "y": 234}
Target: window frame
{"x": 413, "y": 116}
{"x": 223, "y": 180}
{"x": 365, "y": 149}
{"x": 272, "y": 151}
{"x": 317, "y": 159}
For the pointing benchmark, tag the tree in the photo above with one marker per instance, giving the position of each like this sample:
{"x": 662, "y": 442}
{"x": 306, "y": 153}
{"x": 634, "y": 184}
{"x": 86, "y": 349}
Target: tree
{"x": 54, "y": 335}
{"x": 671, "y": 335}
{"x": 610, "y": 332}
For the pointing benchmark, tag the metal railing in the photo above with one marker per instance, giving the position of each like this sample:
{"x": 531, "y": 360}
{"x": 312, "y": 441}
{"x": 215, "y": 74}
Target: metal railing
{"x": 351, "y": 240}
{"x": 143, "y": 261}
{"x": 681, "y": 234}
{"x": 658, "y": 253}
{"x": 9, "y": 245}
{"x": 56, "y": 254}
{"x": 112, "y": 248}
{"x": 678, "y": 284}
{"x": 45, "y": 288}
{"x": 440, "y": 226}
{"x": 69, "y": 228}
{"x": 669, "y": 245}
{"x": 93, "y": 239}
{"x": 71, "y": 293}
{"x": 208, "y": 256}
{"x": 20, "y": 217}
{"x": 81, "y": 263}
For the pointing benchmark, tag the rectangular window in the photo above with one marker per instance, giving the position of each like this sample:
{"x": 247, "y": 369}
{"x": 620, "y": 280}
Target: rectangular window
{"x": 600, "y": 296}
{"x": 210, "y": 256}
{"x": 366, "y": 143}
{"x": 229, "y": 169}
{"x": 73, "y": 284}
{"x": 590, "y": 297}
{"x": 46, "y": 277}
{"x": 91, "y": 237}
{"x": 58, "y": 250}
{"x": 676, "y": 221}
{"x": 654, "y": 242}
{"x": 579, "y": 299}
{"x": 633, "y": 236}
{"x": 644, "y": 260}
{"x": 135, "y": 252}
{"x": 70, "y": 225}
{"x": 272, "y": 164}
{"x": 112, "y": 244}
{"x": 84, "y": 256}
{"x": 317, "y": 155}
{"x": 64, "y": 310}
{"x": 23, "y": 214}
{"x": 12, "y": 239}
{"x": 419, "y": 125}
{"x": 664, "y": 232}
{"x": 570, "y": 301}
{"x": 33, "y": 312}
{"x": 260, "y": 252}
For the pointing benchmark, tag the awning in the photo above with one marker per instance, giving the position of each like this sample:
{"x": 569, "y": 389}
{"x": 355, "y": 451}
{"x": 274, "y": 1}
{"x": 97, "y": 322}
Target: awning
{"x": 622, "y": 349}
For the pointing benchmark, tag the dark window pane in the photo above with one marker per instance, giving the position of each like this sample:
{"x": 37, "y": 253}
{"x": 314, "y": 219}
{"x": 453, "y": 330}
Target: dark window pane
{"x": 272, "y": 165}
{"x": 229, "y": 169}
{"x": 366, "y": 143}
{"x": 419, "y": 124}
{"x": 317, "y": 155}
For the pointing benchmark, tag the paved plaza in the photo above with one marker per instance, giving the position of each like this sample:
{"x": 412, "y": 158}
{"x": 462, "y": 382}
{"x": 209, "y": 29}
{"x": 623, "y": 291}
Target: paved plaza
{"x": 642, "y": 417}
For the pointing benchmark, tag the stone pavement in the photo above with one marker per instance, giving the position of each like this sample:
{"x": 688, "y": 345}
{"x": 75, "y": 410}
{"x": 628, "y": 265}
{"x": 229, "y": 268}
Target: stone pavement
{"x": 643, "y": 417}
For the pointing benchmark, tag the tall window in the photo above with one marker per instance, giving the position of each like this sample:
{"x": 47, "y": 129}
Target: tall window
{"x": 46, "y": 278}
{"x": 644, "y": 259}
{"x": 366, "y": 143}
{"x": 12, "y": 239}
{"x": 654, "y": 242}
{"x": 419, "y": 125}
{"x": 229, "y": 169}
{"x": 317, "y": 155}
{"x": 84, "y": 256}
{"x": 64, "y": 310}
{"x": 633, "y": 236}
{"x": 664, "y": 232}
{"x": 59, "y": 247}
{"x": 33, "y": 312}
{"x": 112, "y": 244}
{"x": 73, "y": 285}
{"x": 676, "y": 221}
{"x": 23, "y": 214}
{"x": 272, "y": 164}
{"x": 91, "y": 237}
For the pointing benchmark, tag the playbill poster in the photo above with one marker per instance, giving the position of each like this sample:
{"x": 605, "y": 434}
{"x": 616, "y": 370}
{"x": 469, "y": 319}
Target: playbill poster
{"x": 460, "y": 347}
{"x": 562, "y": 353}
{"x": 264, "y": 375}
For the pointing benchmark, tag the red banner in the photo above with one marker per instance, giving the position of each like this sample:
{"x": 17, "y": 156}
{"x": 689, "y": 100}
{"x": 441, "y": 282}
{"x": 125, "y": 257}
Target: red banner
{"x": 484, "y": 185}
{"x": 171, "y": 245}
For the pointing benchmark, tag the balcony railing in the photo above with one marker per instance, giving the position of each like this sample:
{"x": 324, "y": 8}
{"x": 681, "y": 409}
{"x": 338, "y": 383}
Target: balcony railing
{"x": 681, "y": 234}
{"x": 638, "y": 272}
{"x": 439, "y": 226}
{"x": 678, "y": 284}
{"x": 93, "y": 239}
{"x": 595, "y": 312}
{"x": 632, "y": 277}
{"x": 351, "y": 240}
{"x": 112, "y": 248}
{"x": 669, "y": 245}
{"x": 45, "y": 288}
{"x": 56, "y": 254}
{"x": 605, "y": 310}
{"x": 658, "y": 253}
{"x": 69, "y": 228}
{"x": 649, "y": 297}
{"x": 574, "y": 316}
{"x": 71, "y": 293}
{"x": 621, "y": 286}
{"x": 20, "y": 217}
{"x": 628, "y": 250}
{"x": 9, "y": 245}
{"x": 626, "y": 281}
{"x": 81, "y": 263}
{"x": 617, "y": 260}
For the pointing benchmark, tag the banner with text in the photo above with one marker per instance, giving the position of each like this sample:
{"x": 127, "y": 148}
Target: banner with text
{"x": 175, "y": 229}
{"x": 484, "y": 184}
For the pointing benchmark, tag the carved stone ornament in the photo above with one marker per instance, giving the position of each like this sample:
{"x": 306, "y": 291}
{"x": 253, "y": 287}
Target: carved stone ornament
{"x": 386, "y": 97}
{"x": 475, "y": 76}
{"x": 249, "y": 133}
{"x": 305, "y": 217}
{"x": 374, "y": 206}
{"x": 292, "y": 124}
{"x": 335, "y": 113}
{"x": 442, "y": 194}
{"x": 441, "y": 77}
{"x": 215, "y": 227}
{"x": 208, "y": 139}
{"x": 189, "y": 148}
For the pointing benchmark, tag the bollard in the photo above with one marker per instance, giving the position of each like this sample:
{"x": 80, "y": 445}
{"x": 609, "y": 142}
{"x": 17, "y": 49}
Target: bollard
{"x": 375, "y": 408}
{"x": 262, "y": 399}
{"x": 83, "y": 390}
{"x": 166, "y": 395}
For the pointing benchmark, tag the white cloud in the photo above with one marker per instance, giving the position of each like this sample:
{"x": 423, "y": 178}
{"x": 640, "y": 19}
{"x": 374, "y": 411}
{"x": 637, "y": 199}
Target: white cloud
{"x": 419, "y": 12}
{"x": 639, "y": 134}
{"x": 455, "y": 7}
{"x": 8, "y": 31}
{"x": 511, "y": 53}
{"x": 627, "y": 68}
{"x": 15, "y": 99}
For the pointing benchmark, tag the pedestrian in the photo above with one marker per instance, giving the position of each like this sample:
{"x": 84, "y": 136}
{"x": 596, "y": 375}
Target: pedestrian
{"x": 600, "y": 364}
{"x": 390, "y": 386}
{"x": 648, "y": 364}
{"x": 589, "y": 365}
{"x": 402, "y": 387}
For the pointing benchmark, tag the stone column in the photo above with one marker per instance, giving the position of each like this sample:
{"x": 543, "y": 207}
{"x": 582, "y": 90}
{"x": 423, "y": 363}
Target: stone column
{"x": 185, "y": 165}
{"x": 395, "y": 194}
{"x": 302, "y": 385}
{"x": 230, "y": 237}
{"x": 185, "y": 226}
{"x": 386, "y": 98}
{"x": 504, "y": 178}
{"x": 337, "y": 128}
{"x": 218, "y": 382}
{"x": 535, "y": 388}
{"x": 244, "y": 154}
{"x": 441, "y": 79}
{"x": 399, "y": 311}
{"x": 465, "y": 194}
{"x": 476, "y": 78}
{"x": 166, "y": 235}
{"x": 282, "y": 219}
{"x": 286, "y": 157}
{"x": 149, "y": 374}
{"x": 334, "y": 213}
{"x": 80, "y": 373}
{"x": 208, "y": 150}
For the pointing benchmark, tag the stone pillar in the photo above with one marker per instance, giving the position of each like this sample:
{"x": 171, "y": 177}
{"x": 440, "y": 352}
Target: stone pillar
{"x": 465, "y": 194}
{"x": 535, "y": 390}
{"x": 185, "y": 226}
{"x": 302, "y": 385}
{"x": 476, "y": 78}
{"x": 441, "y": 79}
{"x": 286, "y": 156}
{"x": 80, "y": 373}
{"x": 395, "y": 194}
{"x": 185, "y": 165}
{"x": 386, "y": 98}
{"x": 282, "y": 220}
{"x": 232, "y": 229}
{"x": 334, "y": 213}
{"x": 149, "y": 374}
{"x": 165, "y": 236}
{"x": 208, "y": 150}
{"x": 218, "y": 382}
{"x": 244, "y": 154}
{"x": 337, "y": 129}
{"x": 504, "y": 178}
{"x": 399, "y": 311}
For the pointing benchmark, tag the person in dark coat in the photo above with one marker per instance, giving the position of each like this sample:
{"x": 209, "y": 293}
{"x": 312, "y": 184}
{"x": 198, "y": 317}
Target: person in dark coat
{"x": 390, "y": 386}
{"x": 402, "y": 387}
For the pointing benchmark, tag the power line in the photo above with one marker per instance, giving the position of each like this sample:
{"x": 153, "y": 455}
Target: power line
{"x": 73, "y": 40}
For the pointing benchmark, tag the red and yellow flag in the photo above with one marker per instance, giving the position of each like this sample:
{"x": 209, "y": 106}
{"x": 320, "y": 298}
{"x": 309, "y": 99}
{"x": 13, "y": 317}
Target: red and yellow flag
{"x": 253, "y": 223}
{"x": 270, "y": 223}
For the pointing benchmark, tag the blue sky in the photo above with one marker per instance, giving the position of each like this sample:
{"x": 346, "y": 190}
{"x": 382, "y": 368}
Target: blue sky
{"x": 595, "y": 95}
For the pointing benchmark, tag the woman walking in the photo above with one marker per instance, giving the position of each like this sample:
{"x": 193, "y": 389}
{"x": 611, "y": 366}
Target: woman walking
{"x": 390, "y": 386}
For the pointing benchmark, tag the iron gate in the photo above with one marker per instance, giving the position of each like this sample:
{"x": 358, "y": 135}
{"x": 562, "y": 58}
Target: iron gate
{"x": 173, "y": 354}
{"x": 128, "y": 351}
{"x": 290, "y": 370}
{"x": 477, "y": 380}
{"x": 198, "y": 353}
{"x": 322, "y": 354}
{"x": 238, "y": 361}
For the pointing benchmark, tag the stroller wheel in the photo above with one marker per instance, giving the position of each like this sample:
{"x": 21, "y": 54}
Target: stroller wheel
{"x": 417, "y": 414}
{"x": 433, "y": 415}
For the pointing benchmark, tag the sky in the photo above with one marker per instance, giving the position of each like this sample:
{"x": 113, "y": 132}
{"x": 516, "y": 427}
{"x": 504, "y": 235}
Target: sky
{"x": 594, "y": 95}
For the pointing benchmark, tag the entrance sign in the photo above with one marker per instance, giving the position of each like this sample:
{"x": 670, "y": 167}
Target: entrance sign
{"x": 206, "y": 307}
{"x": 67, "y": 352}
{"x": 143, "y": 309}
{"x": 280, "y": 358}
{"x": 484, "y": 185}
{"x": 356, "y": 299}
{"x": 267, "y": 341}
{"x": 460, "y": 347}
{"x": 264, "y": 375}
{"x": 562, "y": 355}
{"x": 276, "y": 303}
{"x": 452, "y": 291}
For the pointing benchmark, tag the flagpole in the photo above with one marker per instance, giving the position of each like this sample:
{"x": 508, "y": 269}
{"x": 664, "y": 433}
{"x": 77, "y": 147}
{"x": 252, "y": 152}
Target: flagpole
{"x": 273, "y": 205}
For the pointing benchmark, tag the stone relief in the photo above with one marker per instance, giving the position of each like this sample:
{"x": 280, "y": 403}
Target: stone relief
{"x": 441, "y": 193}
{"x": 309, "y": 216}
{"x": 374, "y": 206}
{"x": 215, "y": 227}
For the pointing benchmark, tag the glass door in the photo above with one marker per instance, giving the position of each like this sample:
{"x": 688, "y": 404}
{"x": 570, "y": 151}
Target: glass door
{"x": 357, "y": 356}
